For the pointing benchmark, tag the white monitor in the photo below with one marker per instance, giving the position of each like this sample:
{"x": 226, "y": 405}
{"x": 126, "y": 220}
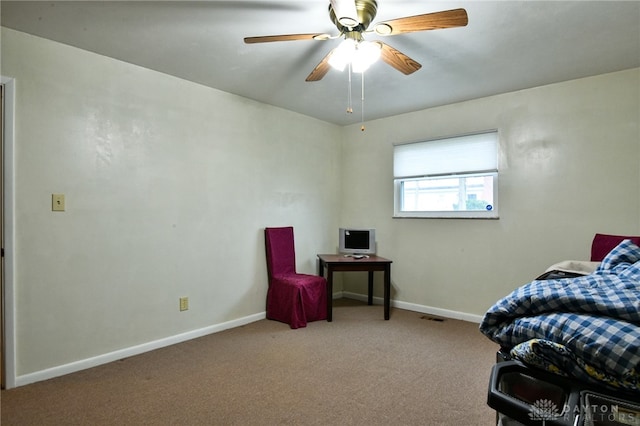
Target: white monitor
{"x": 357, "y": 241}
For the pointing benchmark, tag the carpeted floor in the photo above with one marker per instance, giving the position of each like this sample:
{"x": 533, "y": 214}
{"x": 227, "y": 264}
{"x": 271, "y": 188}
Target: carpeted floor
{"x": 356, "y": 370}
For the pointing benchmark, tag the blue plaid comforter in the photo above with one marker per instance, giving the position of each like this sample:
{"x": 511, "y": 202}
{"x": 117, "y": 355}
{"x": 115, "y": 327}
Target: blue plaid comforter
{"x": 586, "y": 327}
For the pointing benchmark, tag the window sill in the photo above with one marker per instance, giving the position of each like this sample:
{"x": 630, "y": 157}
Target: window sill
{"x": 444, "y": 216}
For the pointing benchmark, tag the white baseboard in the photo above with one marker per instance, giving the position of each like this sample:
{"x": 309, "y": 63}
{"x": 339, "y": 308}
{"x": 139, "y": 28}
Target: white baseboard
{"x": 417, "y": 308}
{"x": 134, "y": 350}
{"x": 183, "y": 337}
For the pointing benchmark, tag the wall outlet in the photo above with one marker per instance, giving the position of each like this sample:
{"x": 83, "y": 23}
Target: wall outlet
{"x": 184, "y": 303}
{"x": 57, "y": 202}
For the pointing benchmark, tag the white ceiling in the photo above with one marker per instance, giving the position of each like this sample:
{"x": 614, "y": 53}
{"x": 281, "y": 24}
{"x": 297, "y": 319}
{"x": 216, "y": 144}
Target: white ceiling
{"x": 507, "y": 46}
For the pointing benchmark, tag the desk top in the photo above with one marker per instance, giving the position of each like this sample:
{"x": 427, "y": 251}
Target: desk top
{"x": 340, "y": 258}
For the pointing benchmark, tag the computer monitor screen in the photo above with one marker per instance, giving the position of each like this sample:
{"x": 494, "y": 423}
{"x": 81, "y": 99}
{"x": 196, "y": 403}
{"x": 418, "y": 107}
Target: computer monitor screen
{"x": 357, "y": 241}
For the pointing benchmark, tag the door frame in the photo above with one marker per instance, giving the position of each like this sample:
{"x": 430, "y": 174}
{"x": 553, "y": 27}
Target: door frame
{"x": 8, "y": 215}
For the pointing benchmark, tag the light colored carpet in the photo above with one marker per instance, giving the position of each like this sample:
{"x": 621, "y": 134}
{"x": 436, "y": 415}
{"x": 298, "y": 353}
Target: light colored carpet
{"x": 356, "y": 370}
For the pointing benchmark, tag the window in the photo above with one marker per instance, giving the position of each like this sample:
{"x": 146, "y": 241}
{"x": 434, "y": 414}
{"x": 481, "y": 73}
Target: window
{"x": 454, "y": 177}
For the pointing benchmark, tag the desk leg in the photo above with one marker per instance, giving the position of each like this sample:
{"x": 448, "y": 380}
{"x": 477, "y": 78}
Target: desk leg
{"x": 370, "y": 298}
{"x": 329, "y": 293}
{"x": 387, "y": 291}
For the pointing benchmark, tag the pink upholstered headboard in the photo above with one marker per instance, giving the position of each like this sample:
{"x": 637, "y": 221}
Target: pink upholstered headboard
{"x": 602, "y": 244}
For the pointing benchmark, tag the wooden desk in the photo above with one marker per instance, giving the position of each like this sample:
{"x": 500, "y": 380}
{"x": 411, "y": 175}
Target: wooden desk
{"x": 338, "y": 262}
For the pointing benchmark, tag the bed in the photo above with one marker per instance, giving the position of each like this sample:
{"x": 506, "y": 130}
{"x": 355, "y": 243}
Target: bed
{"x": 570, "y": 344}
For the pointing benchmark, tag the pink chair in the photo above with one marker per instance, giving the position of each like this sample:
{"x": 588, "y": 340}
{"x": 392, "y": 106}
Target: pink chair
{"x": 291, "y": 298}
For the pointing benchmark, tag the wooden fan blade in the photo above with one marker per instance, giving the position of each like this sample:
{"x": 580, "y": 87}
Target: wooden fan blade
{"x": 321, "y": 69}
{"x": 428, "y": 21}
{"x": 285, "y": 37}
{"x": 398, "y": 60}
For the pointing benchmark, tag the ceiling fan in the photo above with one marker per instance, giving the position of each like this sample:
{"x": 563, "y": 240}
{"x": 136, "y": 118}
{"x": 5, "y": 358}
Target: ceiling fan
{"x": 352, "y": 18}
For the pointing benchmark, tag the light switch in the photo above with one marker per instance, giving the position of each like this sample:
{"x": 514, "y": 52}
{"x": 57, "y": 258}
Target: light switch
{"x": 184, "y": 304}
{"x": 57, "y": 202}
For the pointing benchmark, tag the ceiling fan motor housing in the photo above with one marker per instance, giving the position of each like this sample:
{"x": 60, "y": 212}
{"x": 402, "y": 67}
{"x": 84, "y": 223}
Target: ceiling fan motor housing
{"x": 366, "y": 10}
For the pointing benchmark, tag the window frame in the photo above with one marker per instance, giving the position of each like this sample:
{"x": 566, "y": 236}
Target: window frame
{"x": 398, "y": 183}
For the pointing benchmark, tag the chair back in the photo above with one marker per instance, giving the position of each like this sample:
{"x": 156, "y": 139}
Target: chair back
{"x": 281, "y": 257}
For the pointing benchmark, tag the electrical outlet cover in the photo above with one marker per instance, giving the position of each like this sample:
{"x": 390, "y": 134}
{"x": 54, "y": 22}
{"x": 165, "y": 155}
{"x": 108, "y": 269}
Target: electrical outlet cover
{"x": 57, "y": 202}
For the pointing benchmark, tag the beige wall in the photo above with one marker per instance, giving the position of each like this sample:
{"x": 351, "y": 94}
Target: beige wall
{"x": 169, "y": 185}
{"x": 569, "y": 167}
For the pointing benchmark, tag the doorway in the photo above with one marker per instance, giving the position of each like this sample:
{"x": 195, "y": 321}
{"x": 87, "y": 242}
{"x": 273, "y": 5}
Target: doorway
{"x": 2, "y": 373}
{"x": 7, "y": 322}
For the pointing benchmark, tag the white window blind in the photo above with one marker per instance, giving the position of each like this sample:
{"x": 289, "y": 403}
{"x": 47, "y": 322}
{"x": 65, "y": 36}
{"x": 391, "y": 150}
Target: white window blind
{"x": 460, "y": 154}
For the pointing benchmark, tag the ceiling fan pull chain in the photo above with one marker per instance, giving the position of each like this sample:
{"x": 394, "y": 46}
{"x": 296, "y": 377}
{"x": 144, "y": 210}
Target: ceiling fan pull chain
{"x": 349, "y": 101}
{"x": 362, "y": 104}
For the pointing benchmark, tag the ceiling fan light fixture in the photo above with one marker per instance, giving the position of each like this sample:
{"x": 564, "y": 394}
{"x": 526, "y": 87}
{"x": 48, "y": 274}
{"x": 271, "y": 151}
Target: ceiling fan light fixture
{"x": 343, "y": 54}
{"x": 346, "y": 13}
{"x": 365, "y": 55}
{"x": 361, "y": 55}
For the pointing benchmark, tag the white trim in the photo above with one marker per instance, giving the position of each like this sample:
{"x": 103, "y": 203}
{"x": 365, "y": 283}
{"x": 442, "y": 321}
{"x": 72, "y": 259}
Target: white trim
{"x": 446, "y": 313}
{"x": 134, "y": 350}
{"x": 9, "y": 232}
{"x": 84, "y": 364}
{"x": 448, "y": 214}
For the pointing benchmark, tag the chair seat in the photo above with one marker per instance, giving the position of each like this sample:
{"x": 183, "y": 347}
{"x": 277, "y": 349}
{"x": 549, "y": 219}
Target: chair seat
{"x": 297, "y": 299}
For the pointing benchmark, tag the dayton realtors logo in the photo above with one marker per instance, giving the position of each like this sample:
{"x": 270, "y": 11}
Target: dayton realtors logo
{"x": 544, "y": 409}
